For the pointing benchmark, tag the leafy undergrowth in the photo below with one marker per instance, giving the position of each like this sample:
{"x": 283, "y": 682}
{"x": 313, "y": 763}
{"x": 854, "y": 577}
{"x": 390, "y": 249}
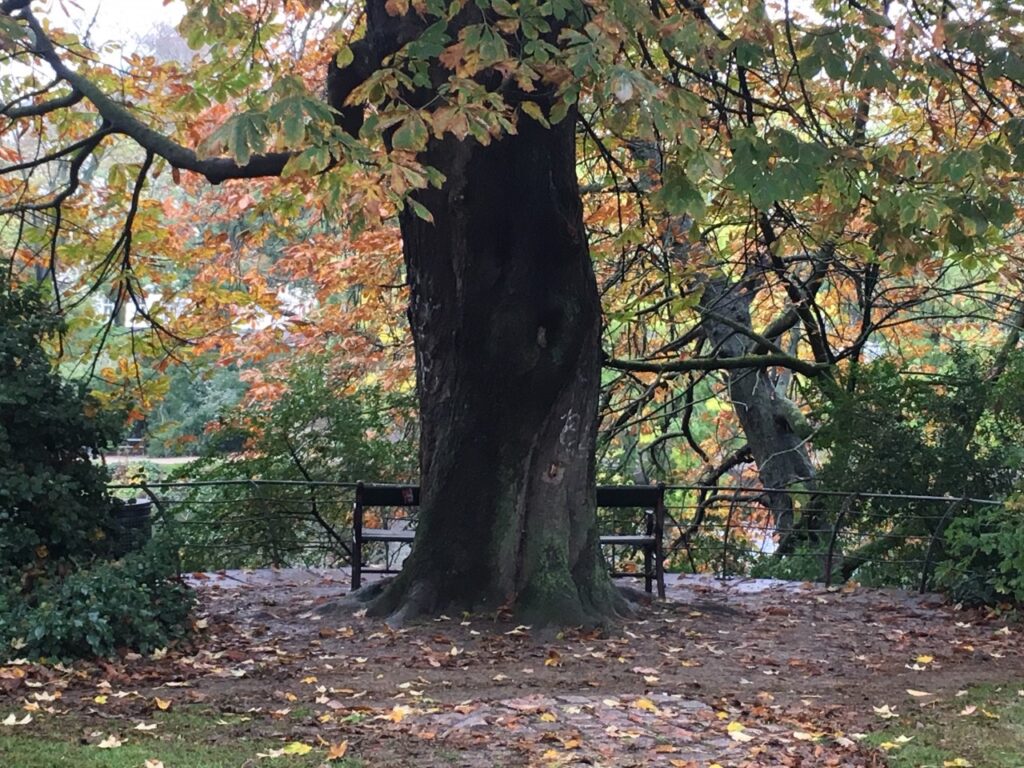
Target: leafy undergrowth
{"x": 724, "y": 674}
{"x": 981, "y": 727}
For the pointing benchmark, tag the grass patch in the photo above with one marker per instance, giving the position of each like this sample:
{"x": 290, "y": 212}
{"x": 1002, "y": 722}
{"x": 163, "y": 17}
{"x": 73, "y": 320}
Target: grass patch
{"x": 991, "y": 736}
{"x": 185, "y": 738}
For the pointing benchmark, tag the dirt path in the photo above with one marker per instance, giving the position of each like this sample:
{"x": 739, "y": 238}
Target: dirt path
{"x": 744, "y": 673}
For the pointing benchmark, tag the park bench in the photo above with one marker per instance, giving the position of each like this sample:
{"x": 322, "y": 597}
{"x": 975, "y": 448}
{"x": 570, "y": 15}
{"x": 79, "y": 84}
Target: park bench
{"x": 647, "y": 536}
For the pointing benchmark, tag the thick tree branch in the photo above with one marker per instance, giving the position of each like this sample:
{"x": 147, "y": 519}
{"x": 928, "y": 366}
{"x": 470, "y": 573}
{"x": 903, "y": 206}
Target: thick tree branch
{"x": 43, "y": 108}
{"x": 720, "y": 363}
{"x": 120, "y": 120}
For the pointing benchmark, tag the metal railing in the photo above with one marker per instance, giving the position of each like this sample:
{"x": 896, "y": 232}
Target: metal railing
{"x": 878, "y": 538}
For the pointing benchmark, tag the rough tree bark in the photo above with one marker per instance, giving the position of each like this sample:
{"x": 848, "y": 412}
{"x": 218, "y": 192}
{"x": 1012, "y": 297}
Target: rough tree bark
{"x": 506, "y": 322}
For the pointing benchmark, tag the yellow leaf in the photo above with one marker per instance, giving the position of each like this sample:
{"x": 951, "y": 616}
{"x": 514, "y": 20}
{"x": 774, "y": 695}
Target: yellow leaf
{"x": 296, "y": 748}
{"x": 100, "y": 699}
{"x": 397, "y": 713}
{"x": 309, "y": 680}
{"x": 111, "y": 742}
{"x": 925, "y": 659}
{"x": 647, "y": 704}
{"x": 885, "y": 712}
{"x": 918, "y": 694}
{"x": 547, "y": 717}
{"x": 337, "y": 751}
{"x": 554, "y": 659}
{"x": 162, "y": 704}
{"x": 734, "y": 726}
{"x": 957, "y": 762}
{"x": 291, "y": 697}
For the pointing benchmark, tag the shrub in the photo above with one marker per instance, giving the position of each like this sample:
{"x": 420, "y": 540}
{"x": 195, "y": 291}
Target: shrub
{"x": 61, "y": 592}
{"x": 53, "y": 502}
{"x": 313, "y": 431}
{"x": 100, "y": 609}
{"x": 984, "y": 562}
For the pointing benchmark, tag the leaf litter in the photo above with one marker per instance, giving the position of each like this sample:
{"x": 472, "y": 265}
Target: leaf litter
{"x": 728, "y": 673}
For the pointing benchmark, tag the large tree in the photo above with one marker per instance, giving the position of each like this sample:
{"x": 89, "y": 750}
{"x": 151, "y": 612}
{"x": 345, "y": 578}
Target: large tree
{"x": 794, "y": 151}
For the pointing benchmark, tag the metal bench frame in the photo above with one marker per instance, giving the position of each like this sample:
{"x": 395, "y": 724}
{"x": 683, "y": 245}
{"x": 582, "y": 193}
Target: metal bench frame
{"x": 649, "y": 497}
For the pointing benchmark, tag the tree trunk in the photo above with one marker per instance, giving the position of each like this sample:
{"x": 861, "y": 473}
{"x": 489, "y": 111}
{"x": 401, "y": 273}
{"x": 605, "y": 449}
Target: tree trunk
{"x": 506, "y": 322}
{"x": 768, "y": 418}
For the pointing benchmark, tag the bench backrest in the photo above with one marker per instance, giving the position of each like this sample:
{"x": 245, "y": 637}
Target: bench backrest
{"x": 392, "y": 495}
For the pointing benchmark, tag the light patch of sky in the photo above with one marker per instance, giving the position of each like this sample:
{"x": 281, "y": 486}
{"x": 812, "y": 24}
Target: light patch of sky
{"x": 113, "y": 21}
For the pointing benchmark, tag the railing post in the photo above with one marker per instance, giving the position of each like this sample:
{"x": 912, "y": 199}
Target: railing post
{"x": 725, "y": 540}
{"x": 938, "y": 533}
{"x": 357, "y": 538}
{"x": 848, "y": 503}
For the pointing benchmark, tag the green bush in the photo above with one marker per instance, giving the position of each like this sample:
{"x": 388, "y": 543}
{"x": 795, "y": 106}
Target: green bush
{"x": 62, "y": 594}
{"x": 53, "y": 501}
{"x": 953, "y": 434}
{"x": 984, "y": 555}
{"x": 314, "y": 431}
{"x": 99, "y": 610}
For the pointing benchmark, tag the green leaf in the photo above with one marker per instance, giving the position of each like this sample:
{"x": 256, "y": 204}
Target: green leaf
{"x": 412, "y": 135}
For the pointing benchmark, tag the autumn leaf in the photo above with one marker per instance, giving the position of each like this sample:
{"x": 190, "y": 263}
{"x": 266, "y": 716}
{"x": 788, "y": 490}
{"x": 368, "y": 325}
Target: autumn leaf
{"x": 337, "y": 751}
{"x": 110, "y": 742}
{"x": 162, "y": 704}
{"x": 645, "y": 704}
{"x": 296, "y": 748}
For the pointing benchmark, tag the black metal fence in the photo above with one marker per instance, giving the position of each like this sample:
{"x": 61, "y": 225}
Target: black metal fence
{"x": 877, "y": 538}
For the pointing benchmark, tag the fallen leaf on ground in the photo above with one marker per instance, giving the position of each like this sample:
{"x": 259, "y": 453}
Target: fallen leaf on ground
{"x": 337, "y": 751}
